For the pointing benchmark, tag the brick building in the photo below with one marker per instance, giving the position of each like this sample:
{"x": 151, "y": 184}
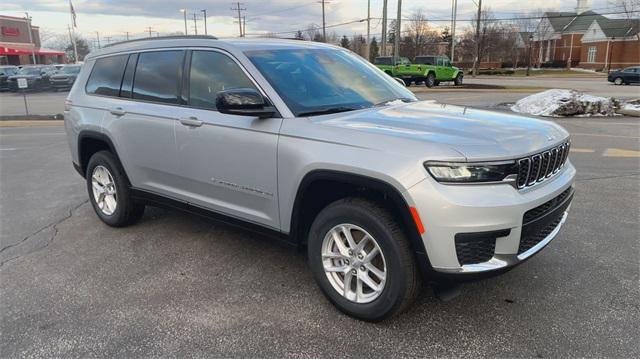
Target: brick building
{"x": 586, "y": 39}
{"x": 18, "y": 48}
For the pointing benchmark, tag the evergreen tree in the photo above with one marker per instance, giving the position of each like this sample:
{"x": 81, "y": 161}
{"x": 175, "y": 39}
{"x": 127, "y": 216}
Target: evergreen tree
{"x": 344, "y": 42}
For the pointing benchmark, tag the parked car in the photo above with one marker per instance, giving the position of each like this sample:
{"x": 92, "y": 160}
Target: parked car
{"x": 627, "y": 76}
{"x": 309, "y": 143}
{"x": 5, "y": 73}
{"x": 64, "y": 78}
{"x": 440, "y": 70}
{"x": 37, "y": 77}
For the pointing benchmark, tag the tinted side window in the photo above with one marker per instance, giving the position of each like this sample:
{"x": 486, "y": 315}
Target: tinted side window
{"x": 106, "y": 75}
{"x": 425, "y": 60}
{"x": 212, "y": 72}
{"x": 158, "y": 76}
{"x": 382, "y": 61}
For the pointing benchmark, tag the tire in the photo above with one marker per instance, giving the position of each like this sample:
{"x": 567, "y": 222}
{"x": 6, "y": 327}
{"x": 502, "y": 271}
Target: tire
{"x": 431, "y": 80}
{"x": 618, "y": 81}
{"x": 407, "y": 82}
{"x": 458, "y": 80}
{"x": 125, "y": 211}
{"x": 395, "y": 260}
{"x": 437, "y": 83}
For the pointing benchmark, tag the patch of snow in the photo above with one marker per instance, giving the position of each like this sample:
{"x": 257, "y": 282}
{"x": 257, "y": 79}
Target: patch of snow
{"x": 558, "y": 103}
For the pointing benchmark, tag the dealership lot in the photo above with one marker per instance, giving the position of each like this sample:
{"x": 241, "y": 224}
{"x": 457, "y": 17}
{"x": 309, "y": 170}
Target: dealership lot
{"x": 178, "y": 285}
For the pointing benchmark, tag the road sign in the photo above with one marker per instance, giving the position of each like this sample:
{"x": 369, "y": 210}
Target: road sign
{"x": 22, "y": 83}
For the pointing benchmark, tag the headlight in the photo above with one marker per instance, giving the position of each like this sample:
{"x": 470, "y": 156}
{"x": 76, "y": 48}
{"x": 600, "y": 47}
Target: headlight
{"x": 469, "y": 172}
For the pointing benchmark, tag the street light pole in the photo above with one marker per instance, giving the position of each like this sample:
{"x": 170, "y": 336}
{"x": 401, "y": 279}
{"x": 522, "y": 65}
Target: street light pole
{"x": 529, "y": 54}
{"x": 476, "y": 63}
{"x": 396, "y": 38}
{"x": 204, "y": 16}
{"x": 383, "y": 43}
{"x": 184, "y": 12}
{"x": 33, "y": 45}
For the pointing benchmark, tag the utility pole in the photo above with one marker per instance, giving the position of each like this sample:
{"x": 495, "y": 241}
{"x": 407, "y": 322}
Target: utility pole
{"x": 369, "y": 30}
{"x": 383, "y": 47}
{"x": 324, "y": 24}
{"x": 204, "y": 16}
{"x": 150, "y": 30}
{"x": 244, "y": 25}
{"x": 454, "y": 15}
{"x": 107, "y": 39}
{"x": 33, "y": 45}
{"x": 75, "y": 51}
{"x": 127, "y": 33}
{"x": 195, "y": 23}
{"x": 396, "y": 38}
{"x": 184, "y": 13}
{"x": 239, "y": 9}
{"x": 98, "y": 38}
{"x": 476, "y": 62}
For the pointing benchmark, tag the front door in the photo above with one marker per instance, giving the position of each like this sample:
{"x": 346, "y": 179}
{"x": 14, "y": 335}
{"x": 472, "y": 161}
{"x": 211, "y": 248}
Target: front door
{"x": 227, "y": 162}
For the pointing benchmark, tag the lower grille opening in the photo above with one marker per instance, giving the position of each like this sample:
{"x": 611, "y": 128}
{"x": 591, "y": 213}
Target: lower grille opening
{"x": 529, "y": 241}
{"x": 479, "y": 247}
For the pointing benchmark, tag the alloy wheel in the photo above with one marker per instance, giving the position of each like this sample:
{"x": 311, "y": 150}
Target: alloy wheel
{"x": 354, "y": 263}
{"x": 104, "y": 190}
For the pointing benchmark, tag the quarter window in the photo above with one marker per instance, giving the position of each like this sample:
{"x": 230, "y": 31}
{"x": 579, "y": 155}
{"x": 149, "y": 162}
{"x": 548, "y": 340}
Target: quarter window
{"x": 106, "y": 76}
{"x": 212, "y": 72}
{"x": 158, "y": 76}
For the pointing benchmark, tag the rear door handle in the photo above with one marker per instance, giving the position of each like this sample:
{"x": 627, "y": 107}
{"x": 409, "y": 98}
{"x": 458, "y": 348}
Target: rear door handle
{"x": 191, "y": 122}
{"x": 118, "y": 111}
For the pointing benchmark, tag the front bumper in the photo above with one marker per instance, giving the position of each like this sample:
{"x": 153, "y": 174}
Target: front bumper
{"x": 491, "y": 210}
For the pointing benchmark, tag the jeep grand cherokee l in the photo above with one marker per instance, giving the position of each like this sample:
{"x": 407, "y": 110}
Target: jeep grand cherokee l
{"x": 312, "y": 144}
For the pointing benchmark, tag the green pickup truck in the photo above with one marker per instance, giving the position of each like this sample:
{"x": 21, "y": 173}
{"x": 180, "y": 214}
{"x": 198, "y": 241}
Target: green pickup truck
{"x": 428, "y": 69}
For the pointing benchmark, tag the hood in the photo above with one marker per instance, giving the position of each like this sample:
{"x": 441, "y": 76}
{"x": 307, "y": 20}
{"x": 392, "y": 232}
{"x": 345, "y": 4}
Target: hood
{"x": 479, "y": 135}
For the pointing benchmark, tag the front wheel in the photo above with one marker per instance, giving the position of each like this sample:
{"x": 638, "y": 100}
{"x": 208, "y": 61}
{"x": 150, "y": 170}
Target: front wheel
{"x": 431, "y": 80}
{"x": 109, "y": 191}
{"x": 458, "y": 80}
{"x": 362, "y": 260}
{"x": 618, "y": 81}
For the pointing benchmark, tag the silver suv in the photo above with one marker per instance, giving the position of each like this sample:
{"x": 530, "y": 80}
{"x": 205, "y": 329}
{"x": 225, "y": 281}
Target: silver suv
{"x": 310, "y": 143}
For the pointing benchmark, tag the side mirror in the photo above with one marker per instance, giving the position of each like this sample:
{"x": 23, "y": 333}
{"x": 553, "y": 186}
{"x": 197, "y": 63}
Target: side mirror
{"x": 243, "y": 102}
{"x": 400, "y": 81}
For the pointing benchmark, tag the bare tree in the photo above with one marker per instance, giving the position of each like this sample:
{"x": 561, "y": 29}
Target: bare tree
{"x": 420, "y": 37}
{"x": 630, "y": 8}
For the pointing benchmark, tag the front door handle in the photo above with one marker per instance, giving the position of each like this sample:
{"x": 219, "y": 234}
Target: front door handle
{"x": 118, "y": 111}
{"x": 191, "y": 122}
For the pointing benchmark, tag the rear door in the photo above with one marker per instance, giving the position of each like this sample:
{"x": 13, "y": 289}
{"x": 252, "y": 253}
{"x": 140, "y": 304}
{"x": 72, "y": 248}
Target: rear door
{"x": 141, "y": 121}
{"x": 227, "y": 163}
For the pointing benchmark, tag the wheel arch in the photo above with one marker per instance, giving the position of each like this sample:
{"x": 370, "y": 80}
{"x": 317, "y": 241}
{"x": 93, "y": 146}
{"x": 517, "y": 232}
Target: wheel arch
{"x": 90, "y": 142}
{"x": 312, "y": 197}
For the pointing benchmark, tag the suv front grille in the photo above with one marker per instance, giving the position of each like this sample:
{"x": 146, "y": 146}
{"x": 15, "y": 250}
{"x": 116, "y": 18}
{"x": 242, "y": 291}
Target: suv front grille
{"x": 540, "y": 166}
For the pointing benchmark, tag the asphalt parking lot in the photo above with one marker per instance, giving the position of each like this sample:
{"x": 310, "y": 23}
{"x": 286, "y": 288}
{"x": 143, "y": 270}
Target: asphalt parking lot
{"x": 175, "y": 285}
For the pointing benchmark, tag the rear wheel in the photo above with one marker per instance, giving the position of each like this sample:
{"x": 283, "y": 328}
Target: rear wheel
{"x": 109, "y": 191}
{"x": 431, "y": 80}
{"x": 618, "y": 81}
{"x": 458, "y": 80}
{"x": 407, "y": 82}
{"x": 362, "y": 260}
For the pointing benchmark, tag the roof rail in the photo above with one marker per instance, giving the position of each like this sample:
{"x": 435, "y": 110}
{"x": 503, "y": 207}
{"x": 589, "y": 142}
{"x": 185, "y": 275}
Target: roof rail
{"x": 171, "y": 37}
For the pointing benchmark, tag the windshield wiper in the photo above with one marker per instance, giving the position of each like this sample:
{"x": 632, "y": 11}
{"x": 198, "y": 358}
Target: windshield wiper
{"x": 328, "y": 110}
{"x": 403, "y": 99}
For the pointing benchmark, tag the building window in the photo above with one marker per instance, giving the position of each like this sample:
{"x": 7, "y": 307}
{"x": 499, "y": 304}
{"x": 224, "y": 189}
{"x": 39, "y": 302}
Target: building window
{"x": 591, "y": 54}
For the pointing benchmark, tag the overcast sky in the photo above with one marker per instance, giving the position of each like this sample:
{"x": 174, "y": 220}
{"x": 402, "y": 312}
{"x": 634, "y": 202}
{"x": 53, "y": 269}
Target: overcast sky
{"x": 115, "y": 17}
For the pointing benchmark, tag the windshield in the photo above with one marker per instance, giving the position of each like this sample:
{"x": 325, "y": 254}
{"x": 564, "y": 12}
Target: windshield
{"x": 69, "y": 70}
{"x": 29, "y": 71}
{"x": 316, "y": 81}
